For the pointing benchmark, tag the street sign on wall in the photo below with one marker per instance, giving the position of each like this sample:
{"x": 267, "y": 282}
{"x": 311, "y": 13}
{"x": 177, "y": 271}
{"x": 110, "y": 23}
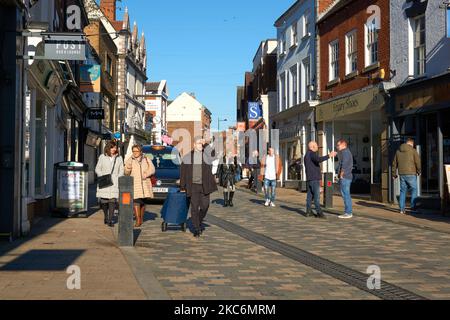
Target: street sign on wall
{"x": 64, "y": 46}
{"x": 254, "y": 110}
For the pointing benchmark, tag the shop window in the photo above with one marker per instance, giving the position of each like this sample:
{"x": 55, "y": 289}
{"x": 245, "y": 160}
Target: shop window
{"x": 40, "y": 141}
{"x": 307, "y": 79}
{"x": 294, "y": 91}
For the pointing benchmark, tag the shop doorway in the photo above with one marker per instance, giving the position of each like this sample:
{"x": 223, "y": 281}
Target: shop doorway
{"x": 429, "y": 155}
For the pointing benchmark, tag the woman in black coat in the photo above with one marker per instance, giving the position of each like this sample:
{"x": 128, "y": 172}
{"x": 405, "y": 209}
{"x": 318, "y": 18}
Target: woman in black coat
{"x": 227, "y": 179}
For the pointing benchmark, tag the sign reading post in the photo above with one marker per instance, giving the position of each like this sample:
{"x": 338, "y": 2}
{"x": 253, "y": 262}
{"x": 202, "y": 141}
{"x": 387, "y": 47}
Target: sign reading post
{"x": 65, "y": 46}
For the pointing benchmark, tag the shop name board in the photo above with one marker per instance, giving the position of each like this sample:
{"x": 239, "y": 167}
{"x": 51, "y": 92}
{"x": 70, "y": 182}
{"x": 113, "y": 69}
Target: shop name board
{"x": 68, "y": 46}
{"x": 254, "y": 110}
{"x": 349, "y": 103}
{"x": 96, "y": 114}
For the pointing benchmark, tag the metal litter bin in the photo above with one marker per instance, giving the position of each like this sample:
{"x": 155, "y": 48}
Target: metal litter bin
{"x": 70, "y": 189}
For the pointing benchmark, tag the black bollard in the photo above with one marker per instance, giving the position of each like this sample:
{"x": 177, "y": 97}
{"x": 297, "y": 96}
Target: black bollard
{"x": 126, "y": 235}
{"x": 328, "y": 190}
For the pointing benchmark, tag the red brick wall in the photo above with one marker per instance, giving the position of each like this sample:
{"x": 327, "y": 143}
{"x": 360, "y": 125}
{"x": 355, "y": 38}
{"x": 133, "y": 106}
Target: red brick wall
{"x": 108, "y": 7}
{"x": 324, "y": 4}
{"x": 353, "y": 16}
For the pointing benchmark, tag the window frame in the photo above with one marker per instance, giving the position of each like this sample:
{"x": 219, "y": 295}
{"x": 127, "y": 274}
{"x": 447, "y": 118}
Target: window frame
{"x": 351, "y": 58}
{"x": 333, "y": 64}
{"x": 372, "y": 48}
{"x": 421, "y": 46}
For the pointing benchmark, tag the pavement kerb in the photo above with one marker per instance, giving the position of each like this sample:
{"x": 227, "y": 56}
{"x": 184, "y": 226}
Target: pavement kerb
{"x": 361, "y": 214}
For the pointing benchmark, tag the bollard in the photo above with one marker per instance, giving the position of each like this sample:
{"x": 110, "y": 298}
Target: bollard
{"x": 126, "y": 234}
{"x": 328, "y": 190}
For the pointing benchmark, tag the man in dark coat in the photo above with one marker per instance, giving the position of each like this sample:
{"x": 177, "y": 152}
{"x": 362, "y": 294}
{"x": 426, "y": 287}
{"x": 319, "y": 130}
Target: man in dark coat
{"x": 197, "y": 180}
{"x": 314, "y": 177}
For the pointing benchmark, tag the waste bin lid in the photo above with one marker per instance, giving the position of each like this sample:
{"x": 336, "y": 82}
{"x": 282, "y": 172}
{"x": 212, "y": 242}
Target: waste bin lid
{"x": 71, "y": 165}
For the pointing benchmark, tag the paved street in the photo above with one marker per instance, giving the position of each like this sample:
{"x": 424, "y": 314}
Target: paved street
{"x": 247, "y": 252}
{"x": 223, "y": 265}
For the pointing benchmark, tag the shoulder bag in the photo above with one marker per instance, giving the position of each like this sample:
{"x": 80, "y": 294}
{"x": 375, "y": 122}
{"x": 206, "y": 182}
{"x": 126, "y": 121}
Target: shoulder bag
{"x": 105, "y": 181}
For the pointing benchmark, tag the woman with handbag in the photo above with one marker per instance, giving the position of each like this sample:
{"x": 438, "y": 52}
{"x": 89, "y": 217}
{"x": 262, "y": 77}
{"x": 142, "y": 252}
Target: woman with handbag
{"x": 227, "y": 179}
{"x": 109, "y": 168}
{"x": 141, "y": 169}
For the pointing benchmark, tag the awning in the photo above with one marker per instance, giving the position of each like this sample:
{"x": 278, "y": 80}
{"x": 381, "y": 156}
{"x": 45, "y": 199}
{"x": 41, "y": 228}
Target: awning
{"x": 425, "y": 109}
{"x": 369, "y": 99}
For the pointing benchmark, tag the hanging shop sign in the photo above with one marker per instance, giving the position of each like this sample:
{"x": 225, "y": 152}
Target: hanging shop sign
{"x": 90, "y": 78}
{"x": 65, "y": 46}
{"x": 254, "y": 110}
{"x": 96, "y": 114}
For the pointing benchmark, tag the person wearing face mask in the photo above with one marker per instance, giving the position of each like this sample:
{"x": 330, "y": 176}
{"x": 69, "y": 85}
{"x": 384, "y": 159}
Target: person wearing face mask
{"x": 141, "y": 169}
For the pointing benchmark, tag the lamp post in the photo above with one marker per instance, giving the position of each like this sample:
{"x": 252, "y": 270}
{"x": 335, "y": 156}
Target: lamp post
{"x": 218, "y": 123}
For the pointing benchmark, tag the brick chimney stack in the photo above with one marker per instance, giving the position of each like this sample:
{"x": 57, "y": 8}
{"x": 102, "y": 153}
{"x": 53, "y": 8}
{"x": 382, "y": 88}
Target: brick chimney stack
{"x": 108, "y": 7}
{"x": 324, "y": 4}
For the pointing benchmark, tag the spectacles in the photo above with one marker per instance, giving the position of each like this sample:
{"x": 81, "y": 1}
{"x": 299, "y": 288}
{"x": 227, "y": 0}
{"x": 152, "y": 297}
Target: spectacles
{"x": 136, "y": 151}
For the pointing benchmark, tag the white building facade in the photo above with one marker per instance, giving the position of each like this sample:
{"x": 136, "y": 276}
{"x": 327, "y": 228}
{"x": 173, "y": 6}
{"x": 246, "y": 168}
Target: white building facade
{"x": 296, "y": 86}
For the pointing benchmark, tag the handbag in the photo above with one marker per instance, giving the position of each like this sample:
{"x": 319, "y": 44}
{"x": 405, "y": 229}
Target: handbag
{"x": 153, "y": 178}
{"x": 105, "y": 181}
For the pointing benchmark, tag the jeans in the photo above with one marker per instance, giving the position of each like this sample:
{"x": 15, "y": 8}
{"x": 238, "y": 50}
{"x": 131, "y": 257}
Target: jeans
{"x": 345, "y": 191}
{"x": 313, "y": 193}
{"x": 408, "y": 182}
{"x": 272, "y": 184}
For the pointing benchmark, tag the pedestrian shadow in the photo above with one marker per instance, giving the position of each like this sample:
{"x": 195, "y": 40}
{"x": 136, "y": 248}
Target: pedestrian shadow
{"x": 296, "y": 210}
{"x": 150, "y": 216}
{"x": 136, "y": 234}
{"x": 257, "y": 201}
{"x": 43, "y": 260}
{"x": 218, "y": 201}
{"x": 375, "y": 205}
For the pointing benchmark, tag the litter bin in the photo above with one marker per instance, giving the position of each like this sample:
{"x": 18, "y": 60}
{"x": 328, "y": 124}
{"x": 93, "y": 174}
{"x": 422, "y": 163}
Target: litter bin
{"x": 70, "y": 189}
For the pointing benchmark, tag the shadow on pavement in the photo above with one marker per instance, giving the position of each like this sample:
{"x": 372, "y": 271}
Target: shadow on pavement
{"x": 375, "y": 205}
{"x": 43, "y": 260}
{"x": 218, "y": 201}
{"x": 136, "y": 234}
{"x": 256, "y": 201}
{"x": 296, "y": 210}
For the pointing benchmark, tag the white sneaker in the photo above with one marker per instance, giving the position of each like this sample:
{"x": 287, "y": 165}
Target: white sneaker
{"x": 267, "y": 203}
{"x": 272, "y": 204}
{"x": 346, "y": 216}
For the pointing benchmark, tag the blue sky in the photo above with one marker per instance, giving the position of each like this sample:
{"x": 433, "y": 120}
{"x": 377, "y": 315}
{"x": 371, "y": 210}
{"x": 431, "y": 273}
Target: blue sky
{"x": 204, "y": 46}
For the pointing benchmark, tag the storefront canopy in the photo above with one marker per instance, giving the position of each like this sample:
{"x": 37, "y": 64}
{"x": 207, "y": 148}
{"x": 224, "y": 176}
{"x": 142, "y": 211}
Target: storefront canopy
{"x": 369, "y": 99}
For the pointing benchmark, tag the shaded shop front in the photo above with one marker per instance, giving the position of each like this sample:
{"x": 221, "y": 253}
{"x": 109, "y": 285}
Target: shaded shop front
{"x": 421, "y": 110}
{"x": 360, "y": 118}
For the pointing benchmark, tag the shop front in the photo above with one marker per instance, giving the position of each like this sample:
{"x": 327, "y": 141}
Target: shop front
{"x": 296, "y": 128}
{"x": 360, "y": 119}
{"x": 421, "y": 110}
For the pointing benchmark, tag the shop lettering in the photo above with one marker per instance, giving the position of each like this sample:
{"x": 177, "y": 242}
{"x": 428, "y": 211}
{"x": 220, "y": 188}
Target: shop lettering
{"x": 73, "y": 17}
{"x": 347, "y": 104}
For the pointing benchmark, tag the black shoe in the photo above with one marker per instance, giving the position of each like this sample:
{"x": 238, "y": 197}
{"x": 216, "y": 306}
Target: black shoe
{"x": 196, "y": 234}
{"x": 321, "y": 215}
{"x": 309, "y": 213}
{"x": 111, "y": 224}
{"x": 230, "y": 202}
{"x": 106, "y": 222}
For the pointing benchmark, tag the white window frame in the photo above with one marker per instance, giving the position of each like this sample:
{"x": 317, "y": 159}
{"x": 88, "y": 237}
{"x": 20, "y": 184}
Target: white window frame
{"x": 333, "y": 60}
{"x": 294, "y": 85}
{"x": 294, "y": 35}
{"x": 351, "y": 52}
{"x": 306, "y": 80}
{"x": 371, "y": 43}
{"x": 418, "y": 70}
{"x": 306, "y": 22}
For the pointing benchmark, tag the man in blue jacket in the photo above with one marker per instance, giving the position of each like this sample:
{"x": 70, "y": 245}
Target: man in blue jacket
{"x": 345, "y": 176}
{"x": 313, "y": 177}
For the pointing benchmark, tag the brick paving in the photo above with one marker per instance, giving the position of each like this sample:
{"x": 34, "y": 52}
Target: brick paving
{"x": 222, "y": 265}
{"x": 35, "y": 267}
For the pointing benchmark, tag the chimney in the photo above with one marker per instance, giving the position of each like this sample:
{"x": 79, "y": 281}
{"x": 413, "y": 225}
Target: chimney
{"x": 108, "y": 7}
{"x": 324, "y": 4}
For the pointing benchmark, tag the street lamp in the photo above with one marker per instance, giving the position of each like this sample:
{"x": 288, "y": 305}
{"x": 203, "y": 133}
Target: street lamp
{"x": 218, "y": 123}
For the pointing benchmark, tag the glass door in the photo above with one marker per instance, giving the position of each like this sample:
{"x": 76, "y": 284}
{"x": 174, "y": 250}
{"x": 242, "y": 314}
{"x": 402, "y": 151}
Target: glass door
{"x": 429, "y": 155}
